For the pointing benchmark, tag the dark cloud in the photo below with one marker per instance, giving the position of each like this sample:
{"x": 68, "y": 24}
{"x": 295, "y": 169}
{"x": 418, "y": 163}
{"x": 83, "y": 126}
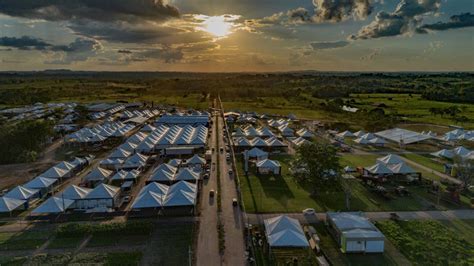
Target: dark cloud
{"x": 24, "y": 43}
{"x": 340, "y": 10}
{"x": 124, "y": 51}
{"x": 456, "y": 21}
{"x": 78, "y": 50}
{"x": 404, "y": 20}
{"x": 299, "y": 15}
{"x": 98, "y": 10}
{"x": 328, "y": 45}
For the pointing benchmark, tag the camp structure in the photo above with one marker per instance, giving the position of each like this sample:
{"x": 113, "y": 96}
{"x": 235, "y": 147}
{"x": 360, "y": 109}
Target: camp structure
{"x": 285, "y": 232}
{"x": 346, "y": 134}
{"x": 53, "y": 205}
{"x": 304, "y": 133}
{"x": 390, "y": 159}
{"x": 258, "y": 154}
{"x": 11, "y": 204}
{"x": 196, "y": 160}
{"x": 22, "y": 193}
{"x": 43, "y": 184}
{"x": 268, "y": 166}
{"x": 103, "y": 196}
{"x": 354, "y": 233}
{"x": 444, "y": 153}
{"x": 98, "y": 175}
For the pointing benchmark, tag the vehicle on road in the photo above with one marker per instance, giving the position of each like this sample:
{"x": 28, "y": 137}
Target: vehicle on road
{"x": 212, "y": 193}
{"x": 230, "y": 172}
{"x": 234, "y": 202}
{"x": 221, "y": 149}
{"x": 309, "y": 211}
{"x": 206, "y": 176}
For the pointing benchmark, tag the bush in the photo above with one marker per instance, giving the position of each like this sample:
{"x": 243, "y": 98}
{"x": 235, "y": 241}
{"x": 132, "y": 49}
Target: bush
{"x": 128, "y": 228}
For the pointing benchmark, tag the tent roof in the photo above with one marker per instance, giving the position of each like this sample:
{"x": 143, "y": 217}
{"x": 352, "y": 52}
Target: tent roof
{"x": 346, "y": 134}
{"x": 402, "y": 168}
{"x": 41, "y": 182}
{"x": 267, "y": 163}
{"x": 186, "y": 174}
{"x": 10, "y": 204}
{"x": 22, "y": 193}
{"x": 196, "y": 159}
{"x": 148, "y": 199}
{"x": 461, "y": 151}
{"x": 103, "y": 191}
{"x": 65, "y": 165}
{"x": 256, "y": 152}
{"x": 390, "y": 159}
{"x": 74, "y": 192}
{"x": 185, "y": 186}
{"x": 180, "y": 198}
{"x": 55, "y": 172}
{"x": 379, "y": 168}
{"x": 54, "y": 205}
{"x": 155, "y": 188}
{"x": 443, "y": 153}
{"x": 98, "y": 174}
{"x": 284, "y": 231}
{"x": 126, "y": 175}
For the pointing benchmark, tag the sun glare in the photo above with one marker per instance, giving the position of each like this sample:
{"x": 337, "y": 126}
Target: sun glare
{"x": 219, "y": 26}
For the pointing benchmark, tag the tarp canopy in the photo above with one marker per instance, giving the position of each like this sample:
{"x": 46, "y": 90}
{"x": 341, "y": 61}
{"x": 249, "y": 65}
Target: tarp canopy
{"x": 283, "y": 231}
{"x": 103, "y": 191}
{"x": 444, "y": 153}
{"x": 267, "y": 163}
{"x": 186, "y": 174}
{"x": 74, "y": 192}
{"x": 404, "y": 136}
{"x": 402, "y": 168}
{"x": 379, "y": 168}
{"x": 346, "y": 134}
{"x": 98, "y": 174}
{"x": 256, "y": 152}
{"x": 55, "y": 172}
{"x": 196, "y": 159}
{"x": 390, "y": 159}
{"x": 54, "y": 205}
{"x": 10, "y": 204}
{"x": 41, "y": 182}
{"x": 22, "y": 193}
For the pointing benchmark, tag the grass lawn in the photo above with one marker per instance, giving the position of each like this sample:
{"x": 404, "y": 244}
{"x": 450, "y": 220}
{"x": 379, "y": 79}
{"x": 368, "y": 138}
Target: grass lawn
{"x": 65, "y": 242}
{"x": 12, "y": 261}
{"x": 356, "y": 160}
{"x": 169, "y": 244}
{"x": 429, "y": 242}
{"x": 114, "y": 239}
{"x": 331, "y": 249}
{"x": 111, "y": 258}
{"x": 425, "y": 161}
{"x": 23, "y": 240}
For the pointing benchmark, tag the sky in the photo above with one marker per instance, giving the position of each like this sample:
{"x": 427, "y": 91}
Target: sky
{"x": 237, "y": 35}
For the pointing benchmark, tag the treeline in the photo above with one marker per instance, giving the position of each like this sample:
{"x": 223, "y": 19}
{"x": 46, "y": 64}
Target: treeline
{"x": 461, "y": 94}
{"x": 22, "y": 142}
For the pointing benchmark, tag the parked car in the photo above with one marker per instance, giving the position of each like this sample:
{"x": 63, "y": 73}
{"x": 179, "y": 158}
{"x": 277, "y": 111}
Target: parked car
{"x": 309, "y": 211}
{"x": 212, "y": 193}
{"x": 127, "y": 199}
{"x": 230, "y": 172}
{"x": 234, "y": 202}
{"x": 206, "y": 176}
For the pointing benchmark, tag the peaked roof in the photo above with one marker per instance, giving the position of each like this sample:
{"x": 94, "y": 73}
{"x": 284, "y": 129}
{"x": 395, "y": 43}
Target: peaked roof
{"x": 461, "y": 151}
{"x": 54, "y": 205}
{"x": 443, "y": 153}
{"x": 379, "y": 168}
{"x": 98, "y": 174}
{"x": 65, "y": 165}
{"x": 283, "y": 231}
{"x": 148, "y": 199}
{"x": 390, "y": 159}
{"x": 55, "y": 172}
{"x": 103, "y": 191}
{"x": 21, "y": 193}
{"x": 196, "y": 159}
{"x": 180, "y": 198}
{"x": 346, "y": 134}
{"x": 126, "y": 175}
{"x": 74, "y": 192}
{"x": 267, "y": 163}
{"x": 10, "y": 204}
{"x": 402, "y": 168}
{"x": 256, "y": 152}
{"x": 40, "y": 182}
{"x": 155, "y": 188}
{"x": 186, "y": 174}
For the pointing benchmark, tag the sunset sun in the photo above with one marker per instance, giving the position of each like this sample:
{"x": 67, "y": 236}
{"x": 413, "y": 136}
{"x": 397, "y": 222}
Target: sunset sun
{"x": 218, "y": 26}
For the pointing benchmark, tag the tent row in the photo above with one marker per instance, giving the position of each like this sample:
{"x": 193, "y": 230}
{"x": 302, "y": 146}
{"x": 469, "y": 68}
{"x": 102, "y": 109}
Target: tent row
{"x": 389, "y": 165}
{"x": 129, "y": 161}
{"x": 459, "y": 134}
{"x": 104, "y": 109}
{"x": 75, "y": 197}
{"x": 296, "y": 142}
{"x": 157, "y": 195}
{"x": 99, "y": 133}
{"x": 260, "y": 143}
{"x": 166, "y": 173}
{"x": 251, "y": 132}
{"x": 276, "y": 123}
{"x": 148, "y": 113}
{"x": 450, "y": 154}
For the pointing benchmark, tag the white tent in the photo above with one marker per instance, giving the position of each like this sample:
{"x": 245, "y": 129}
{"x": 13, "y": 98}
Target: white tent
{"x": 40, "y": 182}
{"x": 443, "y": 154}
{"x": 257, "y": 153}
{"x": 196, "y": 159}
{"x": 125, "y": 175}
{"x": 242, "y": 142}
{"x": 55, "y": 172}
{"x": 346, "y": 134}
{"x": 22, "y": 193}
{"x": 390, "y": 159}
{"x": 185, "y": 186}
{"x": 379, "y": 169}
{"x": 377, "y": 141}
{"x": 361, "y": 141}
{"x": 148, "y": 199}
{"x": 461, "y": 151}
{"x": 163, "y": 173}
{"x": 10, "y": 204}
{"x": 98, "y": 174}
{"x": 74, "y": 192}
{"x": 268, "y": 166}
{"x": 156, "y": 188}
{"x": 359, "y": 133}
{"x": 136, "y": 161}
{"x": 368, "y": 136}
{"x": 65, "y": 166}
{"x": 103, "y": 191}
{"x": 274, "y": 142}
{"x": 401, "y": 168}
{"x": 283, "y": 231}
{"x": 54, "y": 205}
{"x": 120, "y": 153}
{"x": 304, "y": 133}
{"x": 179, "y": 198}
{"x": 187, "y": 174}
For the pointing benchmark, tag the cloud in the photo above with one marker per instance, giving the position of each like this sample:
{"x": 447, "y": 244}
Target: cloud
{"x": 456, "y": 21}
{"x": 375, "y": 53}
{"x": 78, "y": 50}
{"x": 328, "y": 45}
{"x": 24, "y": 43}
{"x": 341, "y": 10}
{"x": 103, "y": 10}
{"x": 404, "y": 20}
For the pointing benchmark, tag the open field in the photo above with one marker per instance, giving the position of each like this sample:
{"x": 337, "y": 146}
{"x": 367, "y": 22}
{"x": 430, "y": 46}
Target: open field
{"x": 429, "y": 242}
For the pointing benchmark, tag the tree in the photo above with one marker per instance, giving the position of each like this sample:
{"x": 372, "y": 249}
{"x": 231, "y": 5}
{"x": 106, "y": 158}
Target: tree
{"x": 465, "y": 171}
{"x": 317, "y": 165}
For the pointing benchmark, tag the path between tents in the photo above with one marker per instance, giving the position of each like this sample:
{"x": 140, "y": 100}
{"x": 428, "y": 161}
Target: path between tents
{"x": 464, "y": 214}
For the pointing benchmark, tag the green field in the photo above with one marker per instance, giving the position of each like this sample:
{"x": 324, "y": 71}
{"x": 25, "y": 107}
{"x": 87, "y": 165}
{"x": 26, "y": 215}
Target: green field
{"x": 425, "y": 161}
{"x": 29, "y": 239}
{"x": 430, "y": 242}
